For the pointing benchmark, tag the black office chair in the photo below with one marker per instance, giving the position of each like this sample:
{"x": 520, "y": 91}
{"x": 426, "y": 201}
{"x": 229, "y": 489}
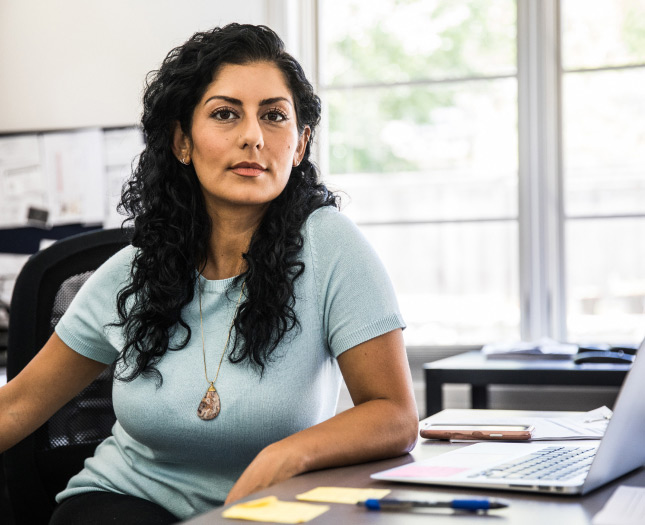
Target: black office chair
{"x": 38, "y": 467}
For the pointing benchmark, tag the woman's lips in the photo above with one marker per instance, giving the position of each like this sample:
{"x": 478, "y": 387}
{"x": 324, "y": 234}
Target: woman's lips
{"x": 248, "y": 169}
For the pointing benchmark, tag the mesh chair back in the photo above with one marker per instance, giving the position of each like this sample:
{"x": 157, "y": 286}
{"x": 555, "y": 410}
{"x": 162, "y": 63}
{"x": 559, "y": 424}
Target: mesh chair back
{"x": 39, "y": 467}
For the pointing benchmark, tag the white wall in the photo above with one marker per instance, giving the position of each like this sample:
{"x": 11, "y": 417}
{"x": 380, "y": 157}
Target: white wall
{"x": 81, "y": 63}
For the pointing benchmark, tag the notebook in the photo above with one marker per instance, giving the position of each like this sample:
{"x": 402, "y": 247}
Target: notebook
{"x": 581, "y": 467}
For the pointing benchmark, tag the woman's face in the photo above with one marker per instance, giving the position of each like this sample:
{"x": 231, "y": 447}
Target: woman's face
{"x": 244, "y": 136}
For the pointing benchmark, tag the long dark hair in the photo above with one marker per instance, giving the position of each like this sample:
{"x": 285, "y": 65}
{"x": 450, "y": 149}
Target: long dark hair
{"x": 172, "y": 228}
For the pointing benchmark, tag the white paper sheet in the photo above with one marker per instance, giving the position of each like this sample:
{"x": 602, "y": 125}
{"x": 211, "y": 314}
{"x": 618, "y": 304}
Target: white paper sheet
{"x": 590, "y": 425}
{"x": 545, "y": 348}
{"x": 122, "y": 146}
{"x": 22, "y": 180}
{"x": 74, "y": 166}
{"x": 626, "y": 506}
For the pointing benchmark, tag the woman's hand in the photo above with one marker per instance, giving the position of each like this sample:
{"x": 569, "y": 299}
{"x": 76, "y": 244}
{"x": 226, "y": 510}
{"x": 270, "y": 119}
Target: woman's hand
{"x": 272, "y": 465}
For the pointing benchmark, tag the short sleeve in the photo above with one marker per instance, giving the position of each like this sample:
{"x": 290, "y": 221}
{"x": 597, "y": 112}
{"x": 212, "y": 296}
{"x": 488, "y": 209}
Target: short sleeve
{"x": 86, "y": 324}
{"x": 355, "y": 294}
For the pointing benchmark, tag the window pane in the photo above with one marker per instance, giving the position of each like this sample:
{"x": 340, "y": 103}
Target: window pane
{"x": 456, "y": 283}
{"x": 381, "y": 41}
{"x": 602, "y": 33}
{"x": 604, "y": 142}
{"x": 469, "y": 126}
{"x": 606, "y": 280}
{"x": 419, "y": 196}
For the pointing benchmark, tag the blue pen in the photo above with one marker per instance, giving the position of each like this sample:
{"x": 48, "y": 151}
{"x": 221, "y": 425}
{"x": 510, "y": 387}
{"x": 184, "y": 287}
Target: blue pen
{"x": 459, "y": 504}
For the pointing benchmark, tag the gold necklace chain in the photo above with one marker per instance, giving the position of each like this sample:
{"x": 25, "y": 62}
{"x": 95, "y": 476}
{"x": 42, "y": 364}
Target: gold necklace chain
{"x": 210, "y": 405}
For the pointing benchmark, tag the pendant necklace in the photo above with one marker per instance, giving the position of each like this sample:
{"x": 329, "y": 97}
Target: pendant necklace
{"x": 210, "y": 404}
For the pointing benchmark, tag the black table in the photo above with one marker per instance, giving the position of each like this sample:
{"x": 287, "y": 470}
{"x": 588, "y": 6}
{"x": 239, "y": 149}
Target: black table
{"x": 475, "y": 369}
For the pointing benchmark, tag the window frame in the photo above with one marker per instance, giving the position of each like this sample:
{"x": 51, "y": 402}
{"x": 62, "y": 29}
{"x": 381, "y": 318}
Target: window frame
{"x": 541, "y": 209}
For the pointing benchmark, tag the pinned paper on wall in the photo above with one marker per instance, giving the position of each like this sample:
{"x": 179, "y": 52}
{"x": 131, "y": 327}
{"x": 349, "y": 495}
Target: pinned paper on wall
{"x": 122, "y": 148}
{"x": 74, "y": 167}
{"x": 22, "y": 180}
{"x": 54, "y": 178}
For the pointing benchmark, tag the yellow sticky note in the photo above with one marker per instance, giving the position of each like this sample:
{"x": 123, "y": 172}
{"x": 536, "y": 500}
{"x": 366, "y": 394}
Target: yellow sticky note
{"x": 342, "y": 494}
{"x": 272, "y": 509}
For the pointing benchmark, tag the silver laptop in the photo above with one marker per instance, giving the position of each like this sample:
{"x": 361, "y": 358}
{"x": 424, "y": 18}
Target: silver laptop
{"x": 570, "y": 468}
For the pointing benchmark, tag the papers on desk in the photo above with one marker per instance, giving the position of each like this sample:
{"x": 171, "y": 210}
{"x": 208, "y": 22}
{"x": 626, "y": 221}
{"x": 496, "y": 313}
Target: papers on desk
{"x": 276, "y": 511}
{"x": 543, "y": 349}
{"x": 625, "y": 507}
{"x": 347, "y": 495}
{"x": 588, "y": 425}
{"x": 272, "y": 509}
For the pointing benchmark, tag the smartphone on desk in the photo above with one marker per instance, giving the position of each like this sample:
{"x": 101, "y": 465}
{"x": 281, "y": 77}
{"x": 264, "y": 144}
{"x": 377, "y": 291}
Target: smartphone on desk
{"x": 478, "y": 431}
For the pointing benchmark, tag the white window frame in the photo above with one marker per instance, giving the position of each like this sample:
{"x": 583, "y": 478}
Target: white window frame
{"x": 541, "y": 212}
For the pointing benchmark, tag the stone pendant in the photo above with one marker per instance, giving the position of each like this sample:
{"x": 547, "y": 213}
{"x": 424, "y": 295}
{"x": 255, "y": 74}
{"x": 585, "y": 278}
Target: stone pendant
{"x": 210, "y": 405}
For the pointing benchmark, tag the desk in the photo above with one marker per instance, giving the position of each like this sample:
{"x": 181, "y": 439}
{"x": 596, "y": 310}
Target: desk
{"x": 479, "y": 372}
{"x": 525, "y": 509}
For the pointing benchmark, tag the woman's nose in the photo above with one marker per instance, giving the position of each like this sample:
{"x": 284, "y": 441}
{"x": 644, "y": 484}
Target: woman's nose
{"x": 251, "y": 134}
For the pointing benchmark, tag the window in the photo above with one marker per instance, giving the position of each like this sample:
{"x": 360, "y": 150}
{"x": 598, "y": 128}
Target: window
{"x": 492, "y": 152}
{"x": 603, "y": 96}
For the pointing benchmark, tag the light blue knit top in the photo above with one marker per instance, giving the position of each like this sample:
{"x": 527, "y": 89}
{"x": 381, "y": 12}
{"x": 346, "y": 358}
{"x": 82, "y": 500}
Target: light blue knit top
{"x": 160, "y": 450}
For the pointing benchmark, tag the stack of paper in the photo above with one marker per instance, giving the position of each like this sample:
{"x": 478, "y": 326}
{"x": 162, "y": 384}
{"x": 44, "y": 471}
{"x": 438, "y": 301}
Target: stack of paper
{"x": 543, "y": 349}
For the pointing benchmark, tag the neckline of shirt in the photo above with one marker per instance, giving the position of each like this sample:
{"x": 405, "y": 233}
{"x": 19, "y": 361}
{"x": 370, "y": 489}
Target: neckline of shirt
{"x": 216, "y": 285}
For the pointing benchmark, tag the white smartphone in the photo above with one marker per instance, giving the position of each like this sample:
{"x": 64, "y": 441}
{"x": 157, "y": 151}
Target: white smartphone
{"x": 478, "y": 431}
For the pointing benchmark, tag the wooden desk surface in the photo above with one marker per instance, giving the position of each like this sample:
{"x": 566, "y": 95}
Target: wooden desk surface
{"x": 525, "y": 509}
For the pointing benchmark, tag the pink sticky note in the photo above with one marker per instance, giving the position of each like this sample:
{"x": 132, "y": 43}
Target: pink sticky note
{"x": 421, "y": 471}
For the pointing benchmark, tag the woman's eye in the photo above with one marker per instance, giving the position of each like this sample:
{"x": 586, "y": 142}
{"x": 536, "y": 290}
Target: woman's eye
{"x": 275, "y": 116}
{"x": 224, "y": 114}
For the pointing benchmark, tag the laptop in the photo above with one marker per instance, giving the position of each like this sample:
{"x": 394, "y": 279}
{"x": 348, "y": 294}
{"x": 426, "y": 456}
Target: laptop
{"x": 570, "y": 468}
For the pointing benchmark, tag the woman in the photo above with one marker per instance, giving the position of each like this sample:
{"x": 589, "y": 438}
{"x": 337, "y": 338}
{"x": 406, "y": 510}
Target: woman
{"x": 244, "y": 296}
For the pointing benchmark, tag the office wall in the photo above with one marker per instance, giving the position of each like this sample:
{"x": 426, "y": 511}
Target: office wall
{"x": 68, "y": 64}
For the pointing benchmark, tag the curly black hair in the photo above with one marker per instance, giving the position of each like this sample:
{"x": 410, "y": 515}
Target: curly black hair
{"x": 165, "y": 204}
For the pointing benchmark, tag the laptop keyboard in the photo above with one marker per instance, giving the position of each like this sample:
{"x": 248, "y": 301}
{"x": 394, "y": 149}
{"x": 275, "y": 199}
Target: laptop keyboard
{"x": 558, "y": 463}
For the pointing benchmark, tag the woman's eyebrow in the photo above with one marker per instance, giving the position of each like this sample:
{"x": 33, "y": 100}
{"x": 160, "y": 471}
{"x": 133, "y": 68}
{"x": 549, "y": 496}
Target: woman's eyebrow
{"x": 273, "y": 100}
{"x": 230, "y": 100}
{"x": 238, "y": 102}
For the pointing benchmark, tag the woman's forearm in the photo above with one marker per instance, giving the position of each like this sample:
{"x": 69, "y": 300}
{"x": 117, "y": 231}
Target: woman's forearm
{"x": 376, "y": 429}
{"x": 53, "y": 377}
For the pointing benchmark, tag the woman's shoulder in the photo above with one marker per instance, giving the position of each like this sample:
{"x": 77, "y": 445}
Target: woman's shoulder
{"x": 329, "y": 220}
{"x": 118, "y": 265}
{"x": 122, "y": 258}
{"x": 325, "y": 213}
{"x": 334, "y": 236}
